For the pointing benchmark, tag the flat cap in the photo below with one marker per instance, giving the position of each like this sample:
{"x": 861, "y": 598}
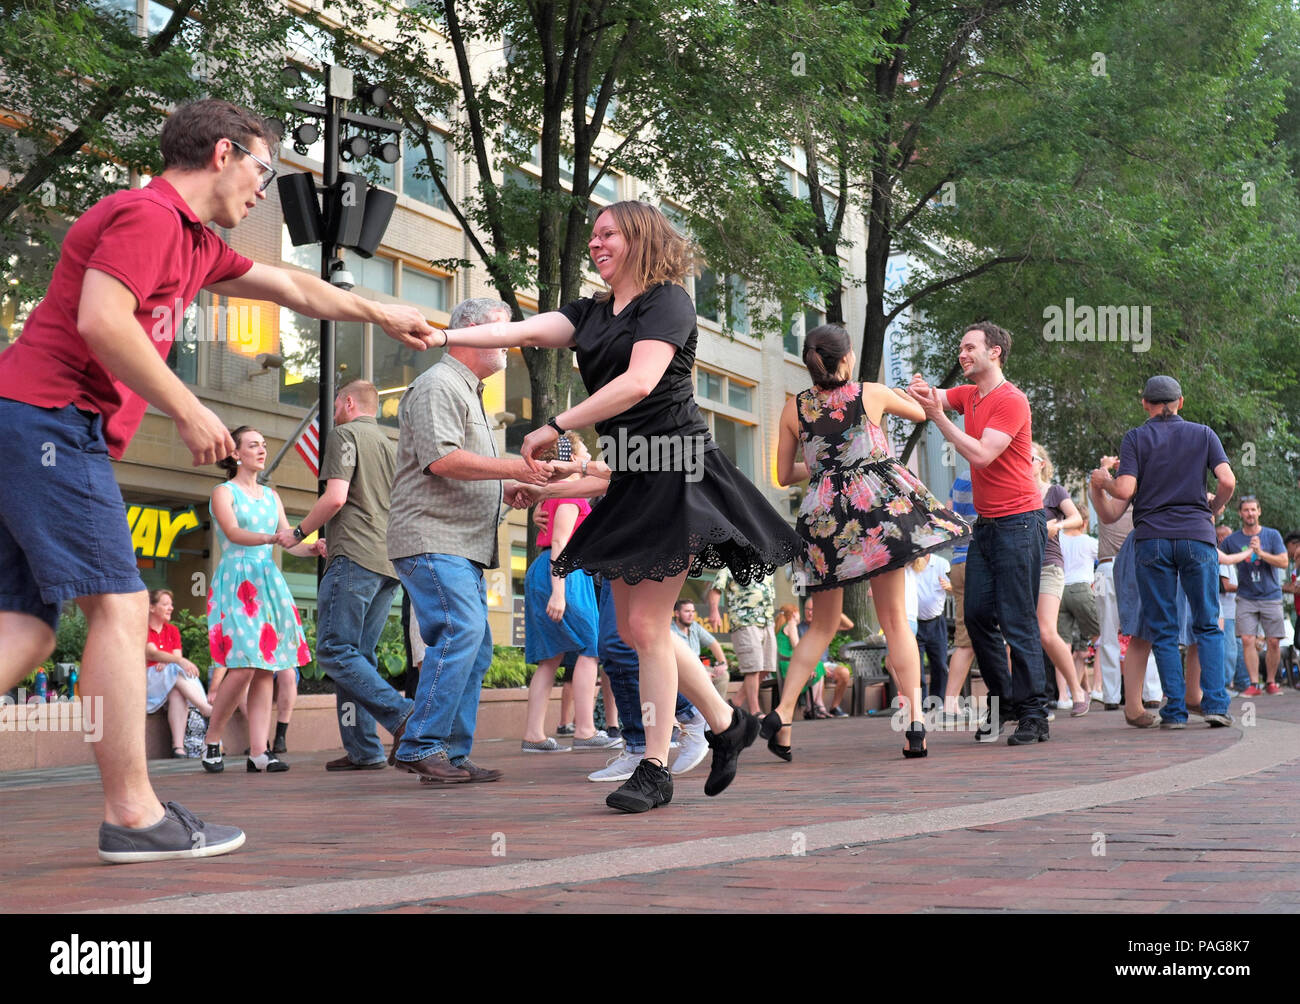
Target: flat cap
{"x": 1160, "y": 389}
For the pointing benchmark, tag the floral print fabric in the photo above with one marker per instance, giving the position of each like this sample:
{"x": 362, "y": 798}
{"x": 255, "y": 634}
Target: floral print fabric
{"x": 252, "y": 618}
{"x": 864, "y": 512}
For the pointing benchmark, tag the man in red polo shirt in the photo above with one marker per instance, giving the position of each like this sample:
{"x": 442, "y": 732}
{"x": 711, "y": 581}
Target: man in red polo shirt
{"x": 73, "y": 390}
{"x": 1006, "y": 552}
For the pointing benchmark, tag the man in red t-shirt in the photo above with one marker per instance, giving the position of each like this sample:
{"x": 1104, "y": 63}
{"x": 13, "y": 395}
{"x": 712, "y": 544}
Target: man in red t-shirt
{"x": 73, "y": 390}
{"x": 1006, "y": 552}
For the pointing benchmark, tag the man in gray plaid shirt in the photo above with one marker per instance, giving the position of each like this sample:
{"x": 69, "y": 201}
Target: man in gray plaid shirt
{"x": 442, "y": 535}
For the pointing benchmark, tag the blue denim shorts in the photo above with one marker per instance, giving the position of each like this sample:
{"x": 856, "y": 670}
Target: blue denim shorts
{"x": 63, "y": 529}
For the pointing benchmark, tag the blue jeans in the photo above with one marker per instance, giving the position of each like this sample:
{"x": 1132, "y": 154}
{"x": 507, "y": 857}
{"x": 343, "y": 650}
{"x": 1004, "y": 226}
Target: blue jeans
{"x": 1163, "y": 564}
{"x": 932, "y": 640}
{"x": 353, "y": 604}
{"x": 449, "y": 599}
{"x": 620, "y": 666}
{"x": 1234, "y": 659}
{"x": 1003, "y": 566}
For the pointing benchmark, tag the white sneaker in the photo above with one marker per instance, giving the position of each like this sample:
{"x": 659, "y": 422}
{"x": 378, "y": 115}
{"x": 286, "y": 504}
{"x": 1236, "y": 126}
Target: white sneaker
{"x": 1097, "y": 696}
{"x": 691, "y": 749}
{"x": 1064, "y": 704}
{"x": 619, "y": 768}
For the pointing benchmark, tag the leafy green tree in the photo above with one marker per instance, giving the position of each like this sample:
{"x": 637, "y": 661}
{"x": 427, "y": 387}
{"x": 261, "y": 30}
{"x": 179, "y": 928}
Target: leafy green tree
{"x": 84, "y": 98}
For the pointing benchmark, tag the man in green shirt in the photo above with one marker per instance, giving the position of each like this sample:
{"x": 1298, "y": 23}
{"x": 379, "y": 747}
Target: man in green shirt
{"x": 357, "y": 590}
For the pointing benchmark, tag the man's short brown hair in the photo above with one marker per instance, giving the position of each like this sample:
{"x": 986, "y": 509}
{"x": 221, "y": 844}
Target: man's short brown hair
{"x": 193, "y": 130}
{"x": 363, "y": 392}
{"x": 994, "y": 337}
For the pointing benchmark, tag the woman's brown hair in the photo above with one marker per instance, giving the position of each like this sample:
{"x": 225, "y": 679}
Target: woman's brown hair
{"x": 229, "y": 464}
{"x": 656, "y": 252}
{"x": 825, "y": 352}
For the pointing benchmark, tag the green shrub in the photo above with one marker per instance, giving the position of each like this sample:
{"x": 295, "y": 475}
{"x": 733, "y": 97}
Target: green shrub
{"x": 194, "y": 639}
{"x": 391, "y": 650}
{"x": 508, "y": 668}
{"x": 69, "y": 639}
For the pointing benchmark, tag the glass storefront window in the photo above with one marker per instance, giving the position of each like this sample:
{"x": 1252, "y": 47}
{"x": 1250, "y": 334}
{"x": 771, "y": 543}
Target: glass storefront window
{"x": 300, "y": 346}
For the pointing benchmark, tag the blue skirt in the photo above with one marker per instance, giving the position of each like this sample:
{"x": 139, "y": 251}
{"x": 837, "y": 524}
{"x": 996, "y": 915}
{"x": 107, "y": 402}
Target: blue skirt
{"x": 577, "y": 632}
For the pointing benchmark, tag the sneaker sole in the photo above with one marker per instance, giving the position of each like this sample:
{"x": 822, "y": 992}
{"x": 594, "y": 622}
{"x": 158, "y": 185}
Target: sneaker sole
{"x": 206, "y": 851}
{"x": 597, "y": 749}
{"x": 601, "y": 780}
{"x": 558, "y": 749}
{"x": 633, "y": 807}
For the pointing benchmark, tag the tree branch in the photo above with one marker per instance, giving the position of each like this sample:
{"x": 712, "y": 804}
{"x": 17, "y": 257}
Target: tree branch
{"x": 47, "y": 163}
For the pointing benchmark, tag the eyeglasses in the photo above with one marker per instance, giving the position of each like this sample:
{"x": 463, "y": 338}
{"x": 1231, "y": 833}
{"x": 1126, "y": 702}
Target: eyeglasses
{"x": 268, "y": 172}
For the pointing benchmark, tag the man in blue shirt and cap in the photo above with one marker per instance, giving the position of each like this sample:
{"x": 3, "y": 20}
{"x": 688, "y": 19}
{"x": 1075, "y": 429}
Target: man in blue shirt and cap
{"x": 1162, "y": 469}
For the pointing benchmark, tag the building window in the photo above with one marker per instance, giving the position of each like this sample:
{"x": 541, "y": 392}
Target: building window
{"x": 417, "y": 182}
{"x": 736, "y": 440}
{"x": 709, "y": 385}
{"x": 714, "y": 301}
{"x": 424, "y": 290}
{"x": 300, "y": 347}
{"x": 734, "y": 430}
{"x": 183, "y": 356}
{"x": 370, "y": 273}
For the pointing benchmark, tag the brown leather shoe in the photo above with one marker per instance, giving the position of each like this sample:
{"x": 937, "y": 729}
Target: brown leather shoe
{"x": 436, "y": 769}
{"x": 343, "y": 763}
{"x": 397, "y": 738}
{"x": 476, "y": 773}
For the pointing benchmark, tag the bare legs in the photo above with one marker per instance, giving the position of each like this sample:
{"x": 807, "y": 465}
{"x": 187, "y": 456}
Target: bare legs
{"x": 186, "y": 691}
{"x": 539, "y": 695}
{"x": 260, "y": 684}
{"x": 1057, "y": 650}
{"x": 667, "y": 666}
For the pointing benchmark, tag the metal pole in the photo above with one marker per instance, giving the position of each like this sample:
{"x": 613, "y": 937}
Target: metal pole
{"x": 327, "y": 250}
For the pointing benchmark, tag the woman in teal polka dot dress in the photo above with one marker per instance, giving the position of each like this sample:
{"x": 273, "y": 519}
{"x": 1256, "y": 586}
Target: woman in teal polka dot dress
{"x": 253, "y": 622}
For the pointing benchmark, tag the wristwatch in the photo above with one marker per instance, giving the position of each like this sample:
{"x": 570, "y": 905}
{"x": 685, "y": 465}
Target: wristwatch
{"x": 555, "y": 425}
{"x": 297, "y": 532}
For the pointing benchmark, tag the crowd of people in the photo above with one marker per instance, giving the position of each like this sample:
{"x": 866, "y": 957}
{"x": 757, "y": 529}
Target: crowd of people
{"x": 608, "y": 585}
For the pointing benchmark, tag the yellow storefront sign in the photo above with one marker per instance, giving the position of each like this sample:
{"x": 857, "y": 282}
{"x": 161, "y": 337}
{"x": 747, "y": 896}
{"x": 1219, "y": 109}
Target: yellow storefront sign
{"x": 154, "y": 530}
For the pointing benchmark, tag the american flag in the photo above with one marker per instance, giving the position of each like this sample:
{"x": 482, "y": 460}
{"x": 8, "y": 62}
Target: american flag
{"x": 308, "y": 446}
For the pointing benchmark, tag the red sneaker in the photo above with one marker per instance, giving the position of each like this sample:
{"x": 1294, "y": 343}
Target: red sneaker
{"x": 1273, "y": 690}
{"x": 1252, "y": 691}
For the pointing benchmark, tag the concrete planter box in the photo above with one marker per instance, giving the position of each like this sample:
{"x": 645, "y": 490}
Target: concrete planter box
{"x": 314, "y": 727}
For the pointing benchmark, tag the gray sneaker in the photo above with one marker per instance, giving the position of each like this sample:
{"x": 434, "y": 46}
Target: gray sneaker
{"x": 179, "y": 834}
{"x": 547, "y": 745}
{"x": 600, "y": 741}
{"x": 1219, "y": 721}
{"x": 1172, "y": 723}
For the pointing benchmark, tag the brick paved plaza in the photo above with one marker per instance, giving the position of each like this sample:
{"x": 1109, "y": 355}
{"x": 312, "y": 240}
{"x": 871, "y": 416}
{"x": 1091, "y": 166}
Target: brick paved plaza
{"x": 1104, "y": 818}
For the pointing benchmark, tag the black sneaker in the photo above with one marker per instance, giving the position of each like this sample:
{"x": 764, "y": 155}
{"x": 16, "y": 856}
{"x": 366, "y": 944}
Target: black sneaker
{"x": 726, "y": 750}
{"x": 649, "y": 787}
{"x": 1030, "y": 730}
{"x": 986, "y": 732}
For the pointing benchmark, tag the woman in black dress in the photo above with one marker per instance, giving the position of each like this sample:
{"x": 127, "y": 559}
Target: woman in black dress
{"x": 674, "y": 503}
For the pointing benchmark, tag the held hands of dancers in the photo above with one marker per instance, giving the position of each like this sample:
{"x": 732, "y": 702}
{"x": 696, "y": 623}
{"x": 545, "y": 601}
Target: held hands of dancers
{"x": 925, "y": 395}
{"x": 408, "y": 326}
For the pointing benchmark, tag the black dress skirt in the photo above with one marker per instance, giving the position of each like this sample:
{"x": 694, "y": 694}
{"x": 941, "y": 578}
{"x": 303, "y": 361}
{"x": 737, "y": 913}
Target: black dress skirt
{"x": 654, "y": 525}
{"x": 659, "y": 520}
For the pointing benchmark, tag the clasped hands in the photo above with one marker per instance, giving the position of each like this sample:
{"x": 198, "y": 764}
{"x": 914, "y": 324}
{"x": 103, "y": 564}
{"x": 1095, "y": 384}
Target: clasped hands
{"x": 530, "y": 487}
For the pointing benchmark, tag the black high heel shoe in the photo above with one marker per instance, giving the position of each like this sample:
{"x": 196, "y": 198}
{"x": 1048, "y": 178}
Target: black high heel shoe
{"x": 769, "y": 727}
{"x": 915, "y": 737}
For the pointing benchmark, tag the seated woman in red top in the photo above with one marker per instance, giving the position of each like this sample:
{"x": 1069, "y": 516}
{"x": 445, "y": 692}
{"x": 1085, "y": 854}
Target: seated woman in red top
{"x": 172, "y": 679}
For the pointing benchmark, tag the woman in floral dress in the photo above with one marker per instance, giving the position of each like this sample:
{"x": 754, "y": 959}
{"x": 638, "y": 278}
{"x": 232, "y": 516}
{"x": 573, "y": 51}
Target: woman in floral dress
{"x": 865, "y": 515}
{"x": 253, "y": 622}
